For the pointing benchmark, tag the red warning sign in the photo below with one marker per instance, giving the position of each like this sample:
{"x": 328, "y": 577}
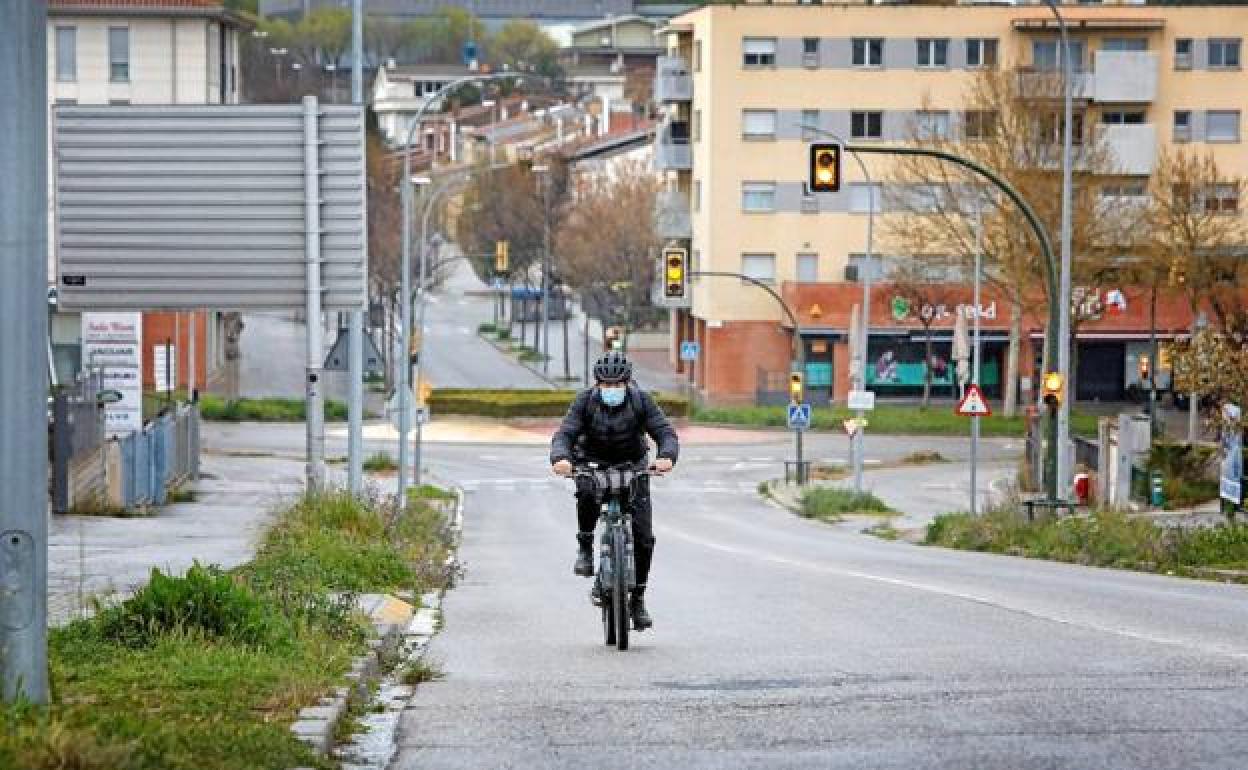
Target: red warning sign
{"x": 974, "y": 404}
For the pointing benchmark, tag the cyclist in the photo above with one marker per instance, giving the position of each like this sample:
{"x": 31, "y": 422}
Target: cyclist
{"x": 608, "y": 424}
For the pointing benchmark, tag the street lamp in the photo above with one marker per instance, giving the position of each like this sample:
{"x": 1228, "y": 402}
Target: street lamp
{"x": 865, "y": 332}
{"x": 406, "y": 263}
{"x": 543, "y": 172}
{"x": 1063, "y": 331}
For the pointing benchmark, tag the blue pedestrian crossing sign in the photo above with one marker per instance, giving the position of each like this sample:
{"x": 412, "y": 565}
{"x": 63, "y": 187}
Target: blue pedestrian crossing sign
{"x": 799, "y": 416}
{"x": 689, "y": 351}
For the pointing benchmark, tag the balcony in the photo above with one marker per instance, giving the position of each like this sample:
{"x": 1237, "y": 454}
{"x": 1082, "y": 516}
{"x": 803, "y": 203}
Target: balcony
{"x": 1125, "y": 77}
{"x": 1047, "y": 84}
{"x": 1134, "y": 146}
{"x": 671, "y": 215}
{"x": 672, "y": 151}
{"x": 672, "y": 82}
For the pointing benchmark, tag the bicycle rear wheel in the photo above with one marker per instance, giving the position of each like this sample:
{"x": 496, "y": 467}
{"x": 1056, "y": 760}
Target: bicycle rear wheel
{"x": 619, "y": 591}
{"x": 608, "y": 618}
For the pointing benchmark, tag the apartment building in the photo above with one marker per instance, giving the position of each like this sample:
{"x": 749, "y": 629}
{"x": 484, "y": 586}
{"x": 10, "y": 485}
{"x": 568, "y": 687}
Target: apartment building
{"x": 740, "y": 81}
{"x": 144, "y": 52}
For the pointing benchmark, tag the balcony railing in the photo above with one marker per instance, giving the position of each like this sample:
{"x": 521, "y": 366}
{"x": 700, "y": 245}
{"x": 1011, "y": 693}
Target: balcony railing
{"x": 672, "y": 82}
{"x": 1125, "y": 76}
{"x": 1133, "y": 146}
{"x": 672, "y": 151}
{"x": 671, "y": 215}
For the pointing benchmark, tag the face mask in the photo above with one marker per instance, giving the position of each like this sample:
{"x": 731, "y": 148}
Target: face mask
{"x": 612, "y": 396}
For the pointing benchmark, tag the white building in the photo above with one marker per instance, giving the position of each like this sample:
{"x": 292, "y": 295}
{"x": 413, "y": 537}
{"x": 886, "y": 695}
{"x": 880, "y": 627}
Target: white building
{"x": 141, "y": 52}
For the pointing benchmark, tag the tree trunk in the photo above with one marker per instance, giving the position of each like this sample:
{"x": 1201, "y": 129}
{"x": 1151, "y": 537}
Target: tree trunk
{"x": 1010, "y": 383}
{"x": 927, "y": 367}
{"x": 567, "y": 363}
{"x": 585, "y": 374}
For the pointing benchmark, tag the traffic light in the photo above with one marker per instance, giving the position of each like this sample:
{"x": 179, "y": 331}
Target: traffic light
{"x": 1144, "y": 367}
{"x": 674, "y": 276}
{"x": 1052, "y": 388}
{"x": 797, "y": 390}
{"x": 501, "y": 256}
{"x": 825, "y": 167}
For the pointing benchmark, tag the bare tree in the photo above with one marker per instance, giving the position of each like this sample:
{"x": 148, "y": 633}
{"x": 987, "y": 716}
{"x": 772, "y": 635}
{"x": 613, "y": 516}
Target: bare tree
{"x": 1011, "y": 124}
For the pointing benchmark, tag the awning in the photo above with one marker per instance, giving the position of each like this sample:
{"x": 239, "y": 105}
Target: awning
{"x": 1049, "y": 24}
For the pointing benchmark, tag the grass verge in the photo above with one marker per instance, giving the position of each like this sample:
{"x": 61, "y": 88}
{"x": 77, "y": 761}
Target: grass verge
{"x": 205, "y": 671}
{"x": 884, "y": 419}
{"x": 834, "y": 503}
{"x": 380, "y": 462}
{"x": 1101, "y": 539}
{"x": 264, "y": 409}
{"x": 524, "y": 403}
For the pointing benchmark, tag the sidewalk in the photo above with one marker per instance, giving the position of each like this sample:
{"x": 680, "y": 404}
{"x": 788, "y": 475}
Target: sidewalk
{"x": 90, "y": 555}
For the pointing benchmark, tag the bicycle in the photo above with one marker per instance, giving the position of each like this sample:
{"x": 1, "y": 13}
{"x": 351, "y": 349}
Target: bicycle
{"x": 617, "y": 570}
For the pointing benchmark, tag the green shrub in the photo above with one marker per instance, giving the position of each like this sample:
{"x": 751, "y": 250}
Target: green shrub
{"x": 264, "y": 409}
{"x": 205, "y": 600}
{"x": 524, "y": 403}
{"x": 430, "y": 492}
{"x": 504, "y": 333}
{"x": 379, "y": 461}
{"x": 486, "y": 328}
{"x": 833, "y": 502}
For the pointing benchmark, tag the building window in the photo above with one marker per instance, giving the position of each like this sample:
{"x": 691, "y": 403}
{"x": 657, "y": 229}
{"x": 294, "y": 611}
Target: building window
{"x": 119, "y": 54}
{"x": 66, "y": 54}
{"x": 758, "y": 124}
{"x": 866, "y": 125}
{"x": 857, "y": 265}
{"x": 807, "y": 268}
{"x": 1123, "y": 117}
{"x": 931, "y": 124}
{"x": 868, "y": 51}
{"x": 1127, "y": 189}
{"x": 979, "y": 124}
{"x": 933, "y": 52}
{"x": 1222, "y": 126}
{"x": 697, "y": 125}
{"x": 1125, "y": 44}
{"x": 810, "y": 125}
{"x": 697, "y": 56}
{"x": 1183, "y": 53}
{"x": 981, "y": 52}
{"x": 758, "y": 196}
{"x": 760, "y": 267}
{"x": 1224, "y": 53}
{"x": 1046, "y": 55}
{"x": 1182, "y": 125}
{"x": 759, "y": 52}
{"x": 864, "y": 198}
{"x": 1223, "y": 199}
{"x": 810, "y": 51}
{"x": 1049, "y": 128}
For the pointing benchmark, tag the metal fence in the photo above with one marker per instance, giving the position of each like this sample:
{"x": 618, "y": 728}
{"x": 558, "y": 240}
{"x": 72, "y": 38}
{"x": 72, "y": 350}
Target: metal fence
{"x": 130, "y": 472}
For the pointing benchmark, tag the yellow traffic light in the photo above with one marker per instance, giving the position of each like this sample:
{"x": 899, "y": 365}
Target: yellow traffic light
{"x": 674, "y": 277}
{"x": 425, "y": 391}
{"x": 1144, "y": 367}
{"x": 1052, "y": 388}
{"x": 825, "y": 167}
{"x": 501, "y": 256}
{"x": 797, "y": 390}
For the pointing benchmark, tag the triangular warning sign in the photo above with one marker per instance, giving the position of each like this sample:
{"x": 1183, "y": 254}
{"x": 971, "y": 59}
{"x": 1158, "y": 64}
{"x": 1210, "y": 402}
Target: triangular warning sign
{"x": 974, "y": 404}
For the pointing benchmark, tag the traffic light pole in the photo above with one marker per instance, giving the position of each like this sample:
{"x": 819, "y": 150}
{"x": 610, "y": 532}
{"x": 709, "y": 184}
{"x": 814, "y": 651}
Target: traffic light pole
{"x": 1050, "y": 277}
{"x": 799, "y": 350}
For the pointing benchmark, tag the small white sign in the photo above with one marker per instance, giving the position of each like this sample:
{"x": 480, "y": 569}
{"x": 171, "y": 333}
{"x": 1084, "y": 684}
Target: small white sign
{"x": 862, "y": 399}
{"x": 165, "y": 367}
{"x": 112, "y": 343}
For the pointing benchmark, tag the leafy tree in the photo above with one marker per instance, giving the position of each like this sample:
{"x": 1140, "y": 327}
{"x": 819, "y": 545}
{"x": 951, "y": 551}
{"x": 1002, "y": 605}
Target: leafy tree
{"x": 522, "y": 45}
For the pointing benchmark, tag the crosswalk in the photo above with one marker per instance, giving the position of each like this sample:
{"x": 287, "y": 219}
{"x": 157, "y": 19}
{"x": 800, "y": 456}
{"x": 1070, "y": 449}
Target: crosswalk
{"x": 535, "y": 484}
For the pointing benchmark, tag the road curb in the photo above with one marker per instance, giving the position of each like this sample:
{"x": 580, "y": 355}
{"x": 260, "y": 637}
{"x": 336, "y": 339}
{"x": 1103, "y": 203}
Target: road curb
{"x": 554, "y": 385}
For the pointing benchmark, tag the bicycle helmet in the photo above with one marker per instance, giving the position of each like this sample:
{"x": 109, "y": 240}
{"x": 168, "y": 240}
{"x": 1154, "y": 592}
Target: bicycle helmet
{"x": 613, "y": 367}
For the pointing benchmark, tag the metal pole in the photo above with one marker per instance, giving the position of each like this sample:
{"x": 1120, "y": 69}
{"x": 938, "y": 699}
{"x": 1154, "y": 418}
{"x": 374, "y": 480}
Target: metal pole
{"x": 422, "y": 289}
{"x": 192, "y": 376}
{"x": 23, "y": 387}
{"x": 405, "y": 335}
{"x": 312, "y": 255}
{"x": 546, "y": 272}
{"x": 1193, "y": 404}
{"x": 1063, "y": 334}
{"x": 975, "y": 349}
{"x": 355, "y": 319}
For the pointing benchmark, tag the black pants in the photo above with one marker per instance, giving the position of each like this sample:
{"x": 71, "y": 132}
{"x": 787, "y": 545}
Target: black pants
{"x": 587, "y": 511}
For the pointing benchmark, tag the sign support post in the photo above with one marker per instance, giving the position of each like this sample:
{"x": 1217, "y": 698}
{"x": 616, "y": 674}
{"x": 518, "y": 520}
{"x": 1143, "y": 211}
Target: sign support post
{"x": 315, "y": 409}
{"x": 975, "y": 351}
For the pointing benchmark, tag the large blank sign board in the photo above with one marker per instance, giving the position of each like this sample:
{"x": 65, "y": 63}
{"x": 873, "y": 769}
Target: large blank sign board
{"x": 177, "y": 208}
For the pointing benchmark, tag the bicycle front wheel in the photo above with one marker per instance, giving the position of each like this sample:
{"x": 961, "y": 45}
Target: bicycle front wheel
{"x": 619, "y": 591}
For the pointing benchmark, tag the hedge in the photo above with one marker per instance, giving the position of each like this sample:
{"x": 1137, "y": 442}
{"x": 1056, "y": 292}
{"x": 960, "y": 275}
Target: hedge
{"x": 524, "y": 403}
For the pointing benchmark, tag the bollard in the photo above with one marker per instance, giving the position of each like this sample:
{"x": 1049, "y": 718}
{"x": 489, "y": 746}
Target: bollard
{"x": 1157, "y": 488}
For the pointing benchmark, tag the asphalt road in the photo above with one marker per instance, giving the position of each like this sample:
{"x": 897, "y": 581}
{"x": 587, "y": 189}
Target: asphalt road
{"x": 781, "y": 642}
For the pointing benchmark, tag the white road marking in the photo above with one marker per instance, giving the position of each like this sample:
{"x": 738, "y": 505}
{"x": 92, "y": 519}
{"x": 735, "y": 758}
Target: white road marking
{"x": 752, "y": 466}
{"x": 762, "y": 459}
{"x": 955, "y": 594}
{"x": 725, "y": 459}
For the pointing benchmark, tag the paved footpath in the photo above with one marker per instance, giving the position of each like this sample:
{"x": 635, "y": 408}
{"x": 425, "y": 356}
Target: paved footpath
{"x": 96, "y": 555}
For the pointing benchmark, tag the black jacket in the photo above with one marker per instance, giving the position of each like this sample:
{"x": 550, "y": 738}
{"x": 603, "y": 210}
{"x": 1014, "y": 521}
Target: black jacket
{"x": 593, "y": 431}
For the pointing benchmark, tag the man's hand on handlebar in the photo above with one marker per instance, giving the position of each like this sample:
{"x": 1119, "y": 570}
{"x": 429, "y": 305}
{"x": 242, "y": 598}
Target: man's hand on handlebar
{"x": 562, "y": 468}
{"x": 663, "y": 465}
